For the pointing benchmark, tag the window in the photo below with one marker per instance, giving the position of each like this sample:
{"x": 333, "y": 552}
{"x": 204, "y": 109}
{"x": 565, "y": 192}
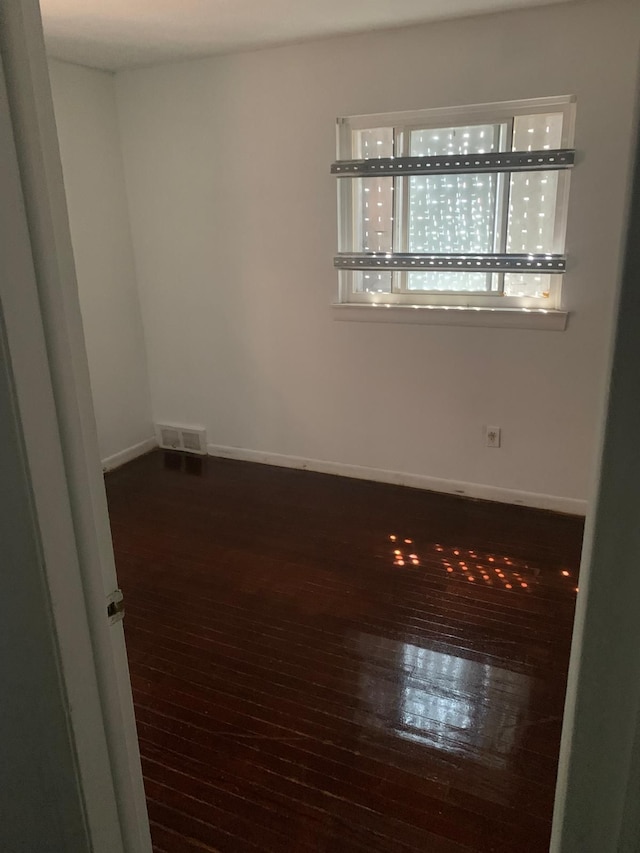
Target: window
{"x": 460, "y": 207}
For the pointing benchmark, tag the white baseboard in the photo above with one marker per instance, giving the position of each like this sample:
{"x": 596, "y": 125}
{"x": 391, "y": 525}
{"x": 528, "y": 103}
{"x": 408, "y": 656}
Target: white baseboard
{"x": 129, "y": 453}
{"x": 399, "y": 478}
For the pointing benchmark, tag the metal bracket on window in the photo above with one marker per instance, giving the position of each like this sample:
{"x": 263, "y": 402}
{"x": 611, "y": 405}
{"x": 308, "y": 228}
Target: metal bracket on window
{"x": 115, "y": 607}
{"x": 478, "y": 263}
{"x": 500, "y": 161}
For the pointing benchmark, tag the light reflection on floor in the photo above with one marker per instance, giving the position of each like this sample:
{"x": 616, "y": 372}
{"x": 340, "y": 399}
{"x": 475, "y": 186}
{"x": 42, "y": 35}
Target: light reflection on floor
{"x": 442, "y": 701}
{"x": 483, "y": 568}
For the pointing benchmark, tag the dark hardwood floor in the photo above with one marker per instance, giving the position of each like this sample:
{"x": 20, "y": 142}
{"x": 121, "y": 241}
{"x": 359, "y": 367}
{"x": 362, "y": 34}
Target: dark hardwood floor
{"x": 323, "y": 664}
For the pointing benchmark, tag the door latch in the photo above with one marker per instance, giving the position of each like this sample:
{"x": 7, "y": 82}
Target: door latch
{"x": 115, "y": 607}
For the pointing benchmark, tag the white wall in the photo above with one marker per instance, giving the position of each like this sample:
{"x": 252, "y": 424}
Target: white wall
{"x": 84, "y": 101}
{"x": 234, "y": 225}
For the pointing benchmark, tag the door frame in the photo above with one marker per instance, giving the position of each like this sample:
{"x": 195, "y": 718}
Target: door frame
{"x": 597, "y": 804}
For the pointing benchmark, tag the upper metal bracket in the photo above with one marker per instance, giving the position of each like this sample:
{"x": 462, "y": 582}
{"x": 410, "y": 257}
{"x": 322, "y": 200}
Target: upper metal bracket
{"x": 499, "y": 161}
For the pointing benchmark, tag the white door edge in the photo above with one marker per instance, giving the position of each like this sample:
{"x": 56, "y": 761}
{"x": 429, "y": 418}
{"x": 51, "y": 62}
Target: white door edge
{"x": 46, "y": 343}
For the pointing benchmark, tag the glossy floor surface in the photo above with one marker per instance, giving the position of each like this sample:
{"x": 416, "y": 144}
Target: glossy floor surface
{"x": 323, "y": 664}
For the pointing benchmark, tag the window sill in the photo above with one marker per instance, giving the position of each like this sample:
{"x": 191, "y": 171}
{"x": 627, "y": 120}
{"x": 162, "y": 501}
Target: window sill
{"x": 440, "y": 315}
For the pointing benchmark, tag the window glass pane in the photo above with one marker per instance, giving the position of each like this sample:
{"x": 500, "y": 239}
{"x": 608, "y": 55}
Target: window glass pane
{"x": 370, "y": 281}
{"x": 537, "y": 132}
{"x": 372, "y": 197}
{"x": 470, "y": 139}
{"x": 373, "y": 215}
{"x": 537, "y": 286}
{"x": 457, "y": 282}
{"x": 533, "y": 195}
{"x": 372, "y": 142}
{"x": 532, "y": 209}
{"x": 452, "y": 213}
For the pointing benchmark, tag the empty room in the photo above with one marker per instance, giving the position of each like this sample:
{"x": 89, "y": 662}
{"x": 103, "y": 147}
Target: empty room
{"x": 348, "y": 279}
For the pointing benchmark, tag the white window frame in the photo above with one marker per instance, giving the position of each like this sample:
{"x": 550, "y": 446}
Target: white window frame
{"x": 502, "y": 113}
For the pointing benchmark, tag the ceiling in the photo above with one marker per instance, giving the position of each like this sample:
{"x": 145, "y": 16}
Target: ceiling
{"x": 116, "y": 34}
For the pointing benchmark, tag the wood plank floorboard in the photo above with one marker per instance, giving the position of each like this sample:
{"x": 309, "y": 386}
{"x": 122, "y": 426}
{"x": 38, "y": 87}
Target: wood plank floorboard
{"x": 324, "y": 665}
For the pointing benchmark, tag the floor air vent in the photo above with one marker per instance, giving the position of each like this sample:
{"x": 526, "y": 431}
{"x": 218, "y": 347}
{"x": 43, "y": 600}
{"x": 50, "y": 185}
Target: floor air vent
{"x": 189, "y": 439}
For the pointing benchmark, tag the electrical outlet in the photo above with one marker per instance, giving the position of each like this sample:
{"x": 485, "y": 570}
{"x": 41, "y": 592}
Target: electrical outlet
{"x": 493, "y": 436}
